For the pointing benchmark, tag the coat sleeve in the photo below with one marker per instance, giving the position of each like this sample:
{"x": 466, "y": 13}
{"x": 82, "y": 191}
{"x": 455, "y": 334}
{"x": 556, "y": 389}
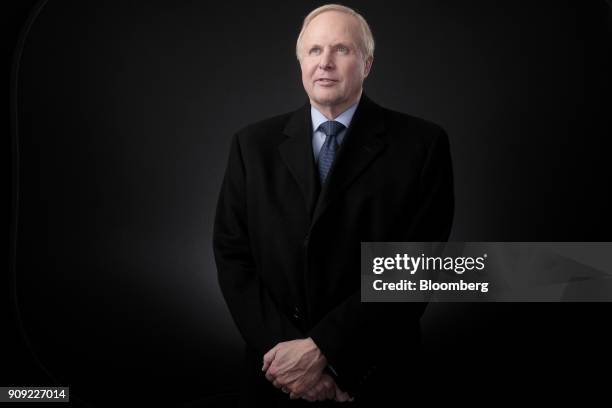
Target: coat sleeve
{"x": 257, "y": 316}
{"x": 355, "y": 336}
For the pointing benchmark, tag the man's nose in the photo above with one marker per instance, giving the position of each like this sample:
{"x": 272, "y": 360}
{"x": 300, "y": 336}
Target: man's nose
{"x": 326, "y": 61}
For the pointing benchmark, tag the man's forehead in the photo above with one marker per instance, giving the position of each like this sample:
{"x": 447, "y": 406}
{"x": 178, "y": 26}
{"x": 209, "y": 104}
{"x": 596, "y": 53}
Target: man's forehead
{"x": 331, "y": 27}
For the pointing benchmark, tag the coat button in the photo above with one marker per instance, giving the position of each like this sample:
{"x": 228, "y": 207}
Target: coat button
{"x": 296, "y": 313}
{"x": 306, "y": 240}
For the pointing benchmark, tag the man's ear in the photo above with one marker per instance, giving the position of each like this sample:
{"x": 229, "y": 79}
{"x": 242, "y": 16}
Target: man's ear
{"x": 368, "y": 67}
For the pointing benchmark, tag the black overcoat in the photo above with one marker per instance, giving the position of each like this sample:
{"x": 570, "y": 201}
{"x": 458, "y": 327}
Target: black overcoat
{"x": 288, "y": 250}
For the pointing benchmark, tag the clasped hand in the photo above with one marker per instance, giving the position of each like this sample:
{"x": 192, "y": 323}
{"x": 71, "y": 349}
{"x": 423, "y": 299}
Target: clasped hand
{"x": 296, "y": 367}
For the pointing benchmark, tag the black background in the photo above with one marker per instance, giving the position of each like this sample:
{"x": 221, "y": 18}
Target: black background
{"x": 124, "y": 114}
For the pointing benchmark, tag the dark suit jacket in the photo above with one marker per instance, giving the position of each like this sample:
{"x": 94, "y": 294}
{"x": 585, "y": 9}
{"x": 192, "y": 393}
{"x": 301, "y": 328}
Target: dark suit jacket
{"x": 288, "y": 251}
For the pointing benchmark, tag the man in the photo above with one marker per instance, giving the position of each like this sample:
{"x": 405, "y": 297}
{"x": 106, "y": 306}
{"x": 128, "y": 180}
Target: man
{"x": 301, "y": 192}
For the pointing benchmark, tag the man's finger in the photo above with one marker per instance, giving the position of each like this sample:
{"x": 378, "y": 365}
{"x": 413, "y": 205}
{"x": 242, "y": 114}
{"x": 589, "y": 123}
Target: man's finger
{"x": 321, "y": 391}
{"x": 270, "y": 375}
{"x": 341, "y": 395}
{"x": 268, "y": 358}
{"x": 312, "y": 394}
{"x": 316, "y": 392}
{"x": 329, "y": 387}
{"x": 309, "y": 397}
{"x": 331, "y": 391}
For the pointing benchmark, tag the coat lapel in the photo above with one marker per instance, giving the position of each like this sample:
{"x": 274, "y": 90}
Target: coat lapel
{"x": 297, "y": 154}
{"x": 361, "y": 145}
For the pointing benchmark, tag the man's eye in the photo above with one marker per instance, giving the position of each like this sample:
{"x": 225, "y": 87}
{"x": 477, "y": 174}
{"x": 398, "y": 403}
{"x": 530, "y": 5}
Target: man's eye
{"x": 343, "y": 50}
{"x": 315, "y": 50}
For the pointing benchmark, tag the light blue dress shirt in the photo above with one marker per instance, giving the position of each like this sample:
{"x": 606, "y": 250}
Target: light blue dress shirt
{"x": 318, "y": 137}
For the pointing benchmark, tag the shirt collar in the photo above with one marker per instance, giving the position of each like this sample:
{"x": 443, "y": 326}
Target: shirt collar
{"x": 344, "y": 118}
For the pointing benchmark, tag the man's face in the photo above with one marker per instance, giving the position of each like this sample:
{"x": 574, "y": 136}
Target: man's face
{"x": 333, "y": 67}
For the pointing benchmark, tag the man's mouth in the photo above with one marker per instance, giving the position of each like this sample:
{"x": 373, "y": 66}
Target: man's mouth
{"x": 326, "y": 81}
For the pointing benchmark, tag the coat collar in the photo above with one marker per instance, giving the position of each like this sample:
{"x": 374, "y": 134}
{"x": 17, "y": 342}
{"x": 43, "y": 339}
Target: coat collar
{"x": 361, "y": 145}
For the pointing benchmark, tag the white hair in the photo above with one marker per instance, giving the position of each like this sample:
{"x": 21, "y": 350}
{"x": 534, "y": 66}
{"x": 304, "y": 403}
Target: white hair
{"x": 367, "y": 40}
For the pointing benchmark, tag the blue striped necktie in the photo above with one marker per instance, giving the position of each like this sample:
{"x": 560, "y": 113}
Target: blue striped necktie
{"x": 331, "y": 128}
